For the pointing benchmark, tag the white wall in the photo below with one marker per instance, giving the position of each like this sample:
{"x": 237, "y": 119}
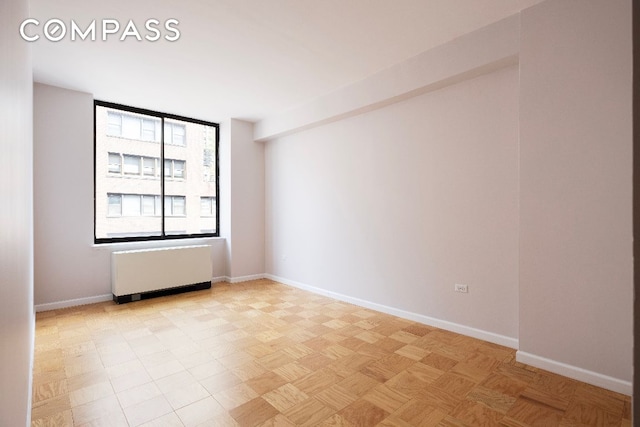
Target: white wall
{"x": 397, "y": 205}
{"x": 390, "y": 208}
{"x": 241, "y": 202}
{"x": 246, "y": 202}
{"x": 68, "y": 266}
{"x": 16, "y": 235}
{"x": 576, "y": 270}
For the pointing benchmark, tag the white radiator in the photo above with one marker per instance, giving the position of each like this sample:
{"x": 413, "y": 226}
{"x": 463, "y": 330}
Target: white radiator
{"x": 145, "y": 273}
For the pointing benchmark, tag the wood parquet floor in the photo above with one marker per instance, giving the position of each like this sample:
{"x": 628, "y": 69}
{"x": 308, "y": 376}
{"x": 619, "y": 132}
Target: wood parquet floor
{"x": 263, "y": 354}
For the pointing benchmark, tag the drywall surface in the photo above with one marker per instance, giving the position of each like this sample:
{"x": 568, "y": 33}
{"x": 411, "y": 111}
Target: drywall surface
{"x": 68, "y": 266}
{"x": 241, "y": 201}
{"x": 246, "y": 201}
{"x": 397, "y": 205}
{"x": 575, "y": 196}
{"x": 17, "y": 320}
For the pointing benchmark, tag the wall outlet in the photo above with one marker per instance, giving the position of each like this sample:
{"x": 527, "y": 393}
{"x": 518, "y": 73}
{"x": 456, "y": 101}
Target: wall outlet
{"x": 461, "y": 288}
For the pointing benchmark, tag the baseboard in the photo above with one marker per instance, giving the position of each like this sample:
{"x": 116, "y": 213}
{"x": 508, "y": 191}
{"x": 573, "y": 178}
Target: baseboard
{"x": 420, "y": 318}
{"x": 240, "y": 279}
{"x": 109, "y": 297}
{"x": 590, "y": 377}
{"x": 73, "y": 302}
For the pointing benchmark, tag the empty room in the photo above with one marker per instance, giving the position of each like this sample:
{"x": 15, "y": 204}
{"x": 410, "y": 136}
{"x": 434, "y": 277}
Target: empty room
{"x": 317, "y": 213}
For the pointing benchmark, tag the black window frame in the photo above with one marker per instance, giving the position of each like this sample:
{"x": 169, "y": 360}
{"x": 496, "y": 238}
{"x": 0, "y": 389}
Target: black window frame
{"x": 162, "y": 117}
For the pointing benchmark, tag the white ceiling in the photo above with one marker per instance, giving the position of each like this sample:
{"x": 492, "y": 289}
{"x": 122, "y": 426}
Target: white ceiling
{"x": 247, "y": 59}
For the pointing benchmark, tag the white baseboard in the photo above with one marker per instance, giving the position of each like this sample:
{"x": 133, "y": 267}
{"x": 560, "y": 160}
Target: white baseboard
{"x": 109, "y": 297}
{"x": 431, "y": 321}
{"x": 73, "y": 302}
{"x": 590, "y": 377}
{"x": 240, "y": 279}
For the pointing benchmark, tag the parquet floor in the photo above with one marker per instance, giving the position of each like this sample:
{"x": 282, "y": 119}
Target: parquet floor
{"x": 263, "y": 354}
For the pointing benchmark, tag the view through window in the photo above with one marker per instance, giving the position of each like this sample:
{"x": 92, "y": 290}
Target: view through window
{"x": 156, "y": 175}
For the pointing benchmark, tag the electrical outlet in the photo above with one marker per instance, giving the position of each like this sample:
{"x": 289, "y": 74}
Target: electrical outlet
{"x": 461, "y": 288}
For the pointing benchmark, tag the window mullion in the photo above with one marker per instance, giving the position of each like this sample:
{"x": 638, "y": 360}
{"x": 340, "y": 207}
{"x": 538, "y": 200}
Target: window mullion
{"x": 162, "y": 212}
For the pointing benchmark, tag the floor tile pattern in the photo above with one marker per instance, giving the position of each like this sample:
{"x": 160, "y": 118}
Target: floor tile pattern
{"x": 263, "y": 354}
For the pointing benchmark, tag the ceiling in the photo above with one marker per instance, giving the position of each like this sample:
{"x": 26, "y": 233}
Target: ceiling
{"x": 245, "y": 59}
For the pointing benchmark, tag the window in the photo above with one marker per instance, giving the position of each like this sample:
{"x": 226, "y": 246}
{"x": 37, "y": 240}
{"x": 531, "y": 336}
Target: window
{"x": 115, "y": 163}
{"x": 115, "y": 205}
{"x": 174, "y": 133}
{"x": 114, "y": 124}
{"x": 149, "y": 205}
{"x": 142, "y": 195}
{"x": 149, "y": 166}
{"x": 207, "y": 206}
{"x": 174, "y": 205}
{"x": 131, "y": 126}
{"x": 135, "y": 204}
{"x": 174, "y": 168}
{"x": 132, "y": 165}
{"x": 130, "y": 205}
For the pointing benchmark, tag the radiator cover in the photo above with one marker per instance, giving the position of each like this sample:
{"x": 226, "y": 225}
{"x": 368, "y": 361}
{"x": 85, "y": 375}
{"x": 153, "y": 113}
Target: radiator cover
{"x": 146, "y": 273}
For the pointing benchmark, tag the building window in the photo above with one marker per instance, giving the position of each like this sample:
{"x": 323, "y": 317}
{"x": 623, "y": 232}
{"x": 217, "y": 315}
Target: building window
{"x": 131, "y": 165}
{"x": 131, "y": 126}
{"x": 175, "y": 134}
{"x": 115, "y": 205}
{"x": 174, "y": 206}
{"x": 207, "y": 206}
{"x": 144, "y": 203}
{"x": 115, "y": 163}
{"x": 149, "y": 166}
{"x": 174, "y": 168}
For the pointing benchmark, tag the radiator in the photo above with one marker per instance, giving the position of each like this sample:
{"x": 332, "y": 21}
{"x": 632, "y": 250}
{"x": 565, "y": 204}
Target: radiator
{"x": 142, "y": 274}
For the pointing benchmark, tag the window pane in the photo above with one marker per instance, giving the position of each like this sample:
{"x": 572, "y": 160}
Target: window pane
{"x": 149, "y": 166}
{"x": 168, "y": 133}
{"x": 148, "y": 205}
{"x": 179, "y": 134}
{"x": 168, "y": 170}
{"x": 132, "y": 165}
{"x": 115, "y": 163}
{"x": 114, "y": 124}
{"x": 130, "y": 205}
{"x": 207, "y": 205}
{"x": 168, "y": 206}
{"x": 175, "y": 133}
{"x": 178, "y": 205}
{"x": 206, "y": 148}
{"x": 178, "y": 168}
{"x": 125, "y": 205}
{"x": 115, "y": 205}
{"x": 149, "y": 130}
{"x": 131, "y": 127}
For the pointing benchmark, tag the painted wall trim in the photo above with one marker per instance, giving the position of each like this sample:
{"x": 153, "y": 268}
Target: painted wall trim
{"x": 240, "y": 279}
{"x": 580, "y": 374}
{"x": 479, "y": 52}
{"x": 73, "y": 302}
{"x": 109, "y": 297}
{"x": 431, "y": 321}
